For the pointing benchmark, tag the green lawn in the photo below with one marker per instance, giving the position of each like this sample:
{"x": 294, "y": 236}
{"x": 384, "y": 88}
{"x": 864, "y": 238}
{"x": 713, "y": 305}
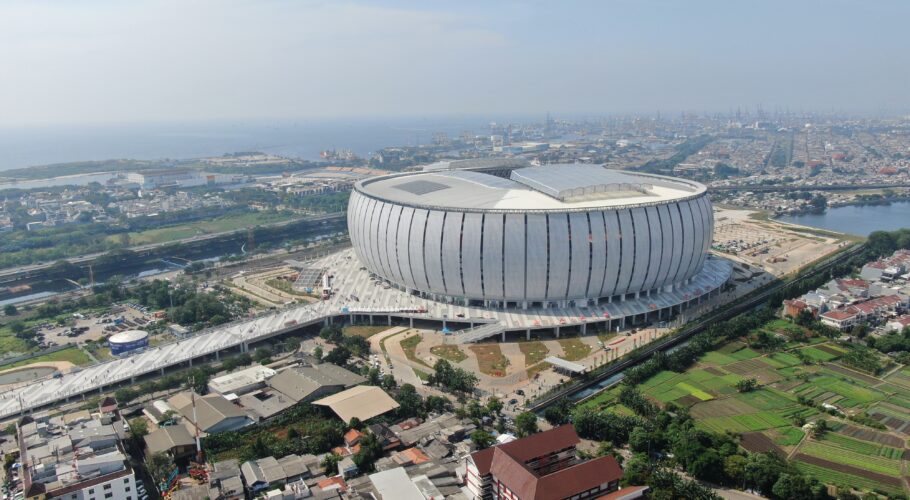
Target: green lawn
{"x": 574, "y": 349}
{"x": 409, "y": 345}
{"x": 451, "y": 353}
{"x": 199, "y": 228}
{"x": 365, "y": 331}
{"x": 534, "y": 352}
{"x": 72, "y": 354}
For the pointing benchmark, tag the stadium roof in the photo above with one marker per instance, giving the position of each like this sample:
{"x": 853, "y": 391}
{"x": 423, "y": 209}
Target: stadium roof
{"x": 548, "y": 188}
{"x": 363, "y": 402}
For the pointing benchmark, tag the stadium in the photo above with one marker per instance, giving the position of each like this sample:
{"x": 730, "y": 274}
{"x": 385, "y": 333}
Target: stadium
{"x": 501, "y": 234}
{"x": 128, "y": 341}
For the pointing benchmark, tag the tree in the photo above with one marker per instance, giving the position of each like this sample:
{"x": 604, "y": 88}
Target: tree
{"x": 636, "y": 470}
{"x": 494, "y": 406}
{"x": 762, "y": 471}
{"x": 370, "y": 451}
{"x": 338, "y": 356}
{"x": 388, "y": 382}
{"x": 526, "y": 424}
{"x": 17, "y": 327}
{"x": 482, "y": 439}
{"x": 409, "y": 402}
{"x": 330, "y": 464}
{"x": 819, "y": 428}
{"x": 746, "y": 385}
{"x": 559, "y": 412}
{"x": 159, "y": 466}
{"x": 735, "y": 468}
{"x": 317, "y": 353}
{"x": 139, "y": 428}
{"x": 10, "y": 310}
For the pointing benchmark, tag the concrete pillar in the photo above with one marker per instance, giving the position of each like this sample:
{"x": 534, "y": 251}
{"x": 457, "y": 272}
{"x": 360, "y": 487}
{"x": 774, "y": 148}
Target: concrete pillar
{"x": 410, "y": 322}
{"x": 132, "y": 381}
{"x": 557, "y": 332}
{"x": 371, "y": 320}
{"x": 217, "y": 355}
{"x": 443, "y": 324}
{"x": 472, "y": 323}
{"x": 162, "y": 371}
{"x": 528, "y": 334}
{"x": 191, "y": 362}
{"x": 503, "y": 335}
{"x": 584, "y": 328}
{"x": 390, "y": 320}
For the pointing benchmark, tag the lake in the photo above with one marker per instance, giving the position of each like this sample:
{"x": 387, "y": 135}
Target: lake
{"x": 857, "y": 219}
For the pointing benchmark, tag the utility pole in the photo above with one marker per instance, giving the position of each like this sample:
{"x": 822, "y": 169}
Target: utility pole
{"x": 192, "y": 381}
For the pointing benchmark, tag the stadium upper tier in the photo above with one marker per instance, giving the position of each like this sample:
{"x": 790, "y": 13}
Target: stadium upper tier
{"x": 508, "y": 234}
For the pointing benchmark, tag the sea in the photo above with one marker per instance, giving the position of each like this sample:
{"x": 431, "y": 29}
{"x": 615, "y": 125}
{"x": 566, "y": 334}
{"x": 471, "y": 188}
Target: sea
{"x": 30, "y": 146}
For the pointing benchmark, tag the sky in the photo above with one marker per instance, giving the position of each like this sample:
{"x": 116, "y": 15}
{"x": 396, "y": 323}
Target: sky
{"x": 106, "y": 61}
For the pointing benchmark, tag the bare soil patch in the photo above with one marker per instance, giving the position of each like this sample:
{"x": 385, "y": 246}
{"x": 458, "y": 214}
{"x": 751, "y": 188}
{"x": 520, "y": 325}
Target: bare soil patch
{"x": 756, "y": 442}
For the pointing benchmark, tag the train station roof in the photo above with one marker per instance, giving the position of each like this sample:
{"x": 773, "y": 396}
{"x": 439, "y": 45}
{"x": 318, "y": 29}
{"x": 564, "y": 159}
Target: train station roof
{"x": 565, "y": 365}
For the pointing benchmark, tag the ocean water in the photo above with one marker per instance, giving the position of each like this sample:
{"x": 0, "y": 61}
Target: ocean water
{"x": 29, "y": 146}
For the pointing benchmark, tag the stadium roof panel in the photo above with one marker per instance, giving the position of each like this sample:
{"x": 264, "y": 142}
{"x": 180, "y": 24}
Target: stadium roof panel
{"x": 540, "y": 188}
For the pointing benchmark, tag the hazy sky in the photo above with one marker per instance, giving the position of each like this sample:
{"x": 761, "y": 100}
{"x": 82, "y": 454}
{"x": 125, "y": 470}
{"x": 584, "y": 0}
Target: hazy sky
{"x": 116, "y": 61}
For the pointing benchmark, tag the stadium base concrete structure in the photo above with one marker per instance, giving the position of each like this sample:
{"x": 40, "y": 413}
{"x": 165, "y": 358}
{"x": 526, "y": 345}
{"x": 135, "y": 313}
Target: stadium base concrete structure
{"x": 360, "y": 297}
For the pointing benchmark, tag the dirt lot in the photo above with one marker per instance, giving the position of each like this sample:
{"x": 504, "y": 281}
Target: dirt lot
{"x": 777, "y": 248}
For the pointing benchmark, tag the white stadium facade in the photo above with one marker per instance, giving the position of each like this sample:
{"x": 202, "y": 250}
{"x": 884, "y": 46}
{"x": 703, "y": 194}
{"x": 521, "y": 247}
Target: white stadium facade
{"x": 507, "y": 235}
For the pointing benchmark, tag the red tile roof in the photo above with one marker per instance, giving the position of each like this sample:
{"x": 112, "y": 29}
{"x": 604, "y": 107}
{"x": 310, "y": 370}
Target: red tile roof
{"x": 563, "y": 483}
{"x": 840, "y": 314}
{"x": 352, "y": 436}
{"x": 482, "y": 459}
{"x": 507, "y": 462}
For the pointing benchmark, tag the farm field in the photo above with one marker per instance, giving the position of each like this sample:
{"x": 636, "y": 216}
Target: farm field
{"x": 798, "y": 383}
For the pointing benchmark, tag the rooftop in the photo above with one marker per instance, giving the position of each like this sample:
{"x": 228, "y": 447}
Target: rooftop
{"x": 511, "y": 187}
{"x": 363, "y": 402}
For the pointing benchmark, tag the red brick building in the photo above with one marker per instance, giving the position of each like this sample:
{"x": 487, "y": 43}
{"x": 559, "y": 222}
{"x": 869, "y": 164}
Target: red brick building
{"x": 543, "y": 466}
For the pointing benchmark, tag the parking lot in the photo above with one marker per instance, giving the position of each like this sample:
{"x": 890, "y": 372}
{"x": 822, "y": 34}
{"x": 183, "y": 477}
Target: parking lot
{"x": 94, "y": 326}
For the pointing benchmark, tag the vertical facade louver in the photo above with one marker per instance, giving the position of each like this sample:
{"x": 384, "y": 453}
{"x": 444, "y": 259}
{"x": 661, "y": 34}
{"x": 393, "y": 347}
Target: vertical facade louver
{"x": 537, "y": 256}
